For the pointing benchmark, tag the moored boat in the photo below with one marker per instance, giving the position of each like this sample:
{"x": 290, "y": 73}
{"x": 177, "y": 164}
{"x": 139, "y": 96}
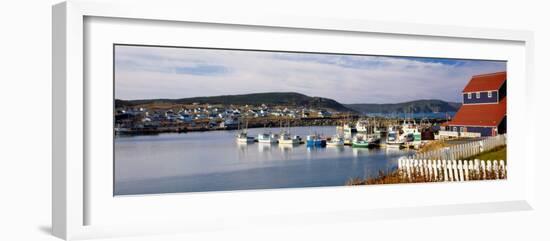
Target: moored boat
{"x": 360, "y": 143}
{"x": 266, "y": 138}
{"x": 365, "y": 141}
{"x": 362, "y": 126}
{"x": 286, "y": 138}
{"x": 336, "y": 141}
{"x": 393, "y": 139}
{"x": 315, "y": 141}
{"x": 373, "y": 140}
{"x": 243, "y": 137}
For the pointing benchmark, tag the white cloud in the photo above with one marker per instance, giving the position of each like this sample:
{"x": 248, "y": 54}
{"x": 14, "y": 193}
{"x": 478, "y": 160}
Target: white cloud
{"x": 154, "y": 72}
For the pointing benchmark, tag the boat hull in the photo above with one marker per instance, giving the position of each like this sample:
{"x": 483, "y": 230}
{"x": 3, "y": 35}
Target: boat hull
{"x": 360, "y": 144}
{"x": 335, "y": 143}
{"x": 245, "y": 140}
{"x": 267, "y": 141}
{"x": 292, "y": 141}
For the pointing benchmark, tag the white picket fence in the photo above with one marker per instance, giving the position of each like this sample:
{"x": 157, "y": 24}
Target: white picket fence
{"x": 462, "y": 151}
{"x": 451, "y": 170}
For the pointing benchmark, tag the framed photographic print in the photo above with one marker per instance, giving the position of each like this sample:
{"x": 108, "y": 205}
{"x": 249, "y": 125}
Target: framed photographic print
{"x": 177, "y": 121}
{"x": 191, "y": 119}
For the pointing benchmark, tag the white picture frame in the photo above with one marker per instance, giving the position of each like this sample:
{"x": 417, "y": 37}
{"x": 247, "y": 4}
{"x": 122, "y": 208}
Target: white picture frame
{"x": 73, "y": 189}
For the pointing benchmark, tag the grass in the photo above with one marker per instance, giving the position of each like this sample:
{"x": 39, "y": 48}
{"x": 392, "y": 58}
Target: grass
{"x": 433, "y": 145}
{"x": 399, "y": 176}
{"x": 498, "y": 153}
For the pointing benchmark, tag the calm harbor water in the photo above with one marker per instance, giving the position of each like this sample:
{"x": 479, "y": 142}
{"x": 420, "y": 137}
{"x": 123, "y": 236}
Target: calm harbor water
{"x": 214, "y": 161}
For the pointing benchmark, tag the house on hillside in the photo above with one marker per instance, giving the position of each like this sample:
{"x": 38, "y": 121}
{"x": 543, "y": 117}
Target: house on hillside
{"x": 483, "y": 110}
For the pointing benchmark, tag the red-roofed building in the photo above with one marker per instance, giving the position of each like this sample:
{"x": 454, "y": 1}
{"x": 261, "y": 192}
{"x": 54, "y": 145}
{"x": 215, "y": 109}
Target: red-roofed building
{"x": 483, "y": 106}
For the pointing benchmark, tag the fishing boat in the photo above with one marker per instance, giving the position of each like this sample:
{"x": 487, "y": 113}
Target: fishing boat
{"x": 315, "y": 141}
{"x": 411, "y": 134}
{"x": 361, "y": 144}
{"x": 360, "y": 141}
{"x": 349, "y": 129}
{"x": 346, "y": 129}
{"x": 286, "y": 138}
{"x": 408, "y": 127}
{"x": 336, "y": 140}
{"x": 362, "y": 126}
{"x": 373, "y": 140}
{"x": 243, "y": 137}
{"x": 266, "y": 138}
{"x": 393, "y": 138}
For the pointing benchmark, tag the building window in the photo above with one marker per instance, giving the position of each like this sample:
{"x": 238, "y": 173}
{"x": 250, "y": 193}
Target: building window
{"x": 490, "y": 94}
{"x": 454, "y": 128}
{"x": 478, "y": 95}
{"x": 461, "y": 129}
{"x": 469, "y": 95}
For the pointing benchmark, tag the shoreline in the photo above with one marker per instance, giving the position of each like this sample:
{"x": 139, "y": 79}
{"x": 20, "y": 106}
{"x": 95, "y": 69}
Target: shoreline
{"x": 206, "y": 125}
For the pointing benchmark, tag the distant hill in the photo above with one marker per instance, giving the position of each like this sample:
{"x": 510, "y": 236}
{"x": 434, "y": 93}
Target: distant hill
{"x": 270, "y": 98}
{"x": 426, "y": 106}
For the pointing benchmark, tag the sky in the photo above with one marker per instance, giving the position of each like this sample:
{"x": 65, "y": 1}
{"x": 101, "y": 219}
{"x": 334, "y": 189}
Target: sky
{"x": 144, "y": 72}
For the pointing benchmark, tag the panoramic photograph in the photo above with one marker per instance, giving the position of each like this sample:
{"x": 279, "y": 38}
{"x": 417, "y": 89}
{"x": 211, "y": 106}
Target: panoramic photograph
{"x": 189, "y": 119}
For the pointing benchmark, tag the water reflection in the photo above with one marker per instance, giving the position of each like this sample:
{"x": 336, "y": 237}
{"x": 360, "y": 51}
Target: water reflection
{"x": 214, "y": 161}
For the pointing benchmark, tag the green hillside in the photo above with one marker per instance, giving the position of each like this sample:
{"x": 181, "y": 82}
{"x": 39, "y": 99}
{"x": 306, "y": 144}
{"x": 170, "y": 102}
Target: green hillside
{"x": 271, "y": 98}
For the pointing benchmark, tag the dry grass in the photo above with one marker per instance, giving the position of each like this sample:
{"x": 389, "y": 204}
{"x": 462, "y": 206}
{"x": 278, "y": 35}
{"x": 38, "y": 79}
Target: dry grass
{"x": 399, "y": 176}
{"x": 433, "y": 146}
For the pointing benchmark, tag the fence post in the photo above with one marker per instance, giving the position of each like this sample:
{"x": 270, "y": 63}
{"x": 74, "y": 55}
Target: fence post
{"x": 489, "y": 169}
{"x": 466, "y": 170}
{"x": 460, "y": 171}
{"x": 495, "y": 169}
{"x": 482, "y": 169}
{"x": 503, "y": 168}
{"x": 450, "y": 170}
{"x": 421, "y": 167}
{"x": 426, "y": 169}
{"x": 438, "y": 167}
{"x": 455, "y": 170}
{"x": 415, "y": 167}
{"x": 430, "y": 170}
{"x": 445, "y": 172}
{"x": 408, "y": 170}
{"x": 477, "y": 169}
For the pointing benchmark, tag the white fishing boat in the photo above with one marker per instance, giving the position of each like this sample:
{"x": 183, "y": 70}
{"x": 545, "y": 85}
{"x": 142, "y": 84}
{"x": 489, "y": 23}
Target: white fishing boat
{"x": 286, "y": 138}
{"x": 336, "y": 140}
{"x": 362, "y": 126}
{"x": 411, "y": 135}
{"x": 408, "y": 127}
{"x": 266, "y": 138}
{"x": 394, "y": 139}
{"x": 243, "y": 137}
{"x": 346, "y": 129}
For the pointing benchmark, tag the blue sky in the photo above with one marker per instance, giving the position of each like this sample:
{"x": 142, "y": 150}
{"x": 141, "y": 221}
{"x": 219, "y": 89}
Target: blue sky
{"x": 162, "y": 72}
